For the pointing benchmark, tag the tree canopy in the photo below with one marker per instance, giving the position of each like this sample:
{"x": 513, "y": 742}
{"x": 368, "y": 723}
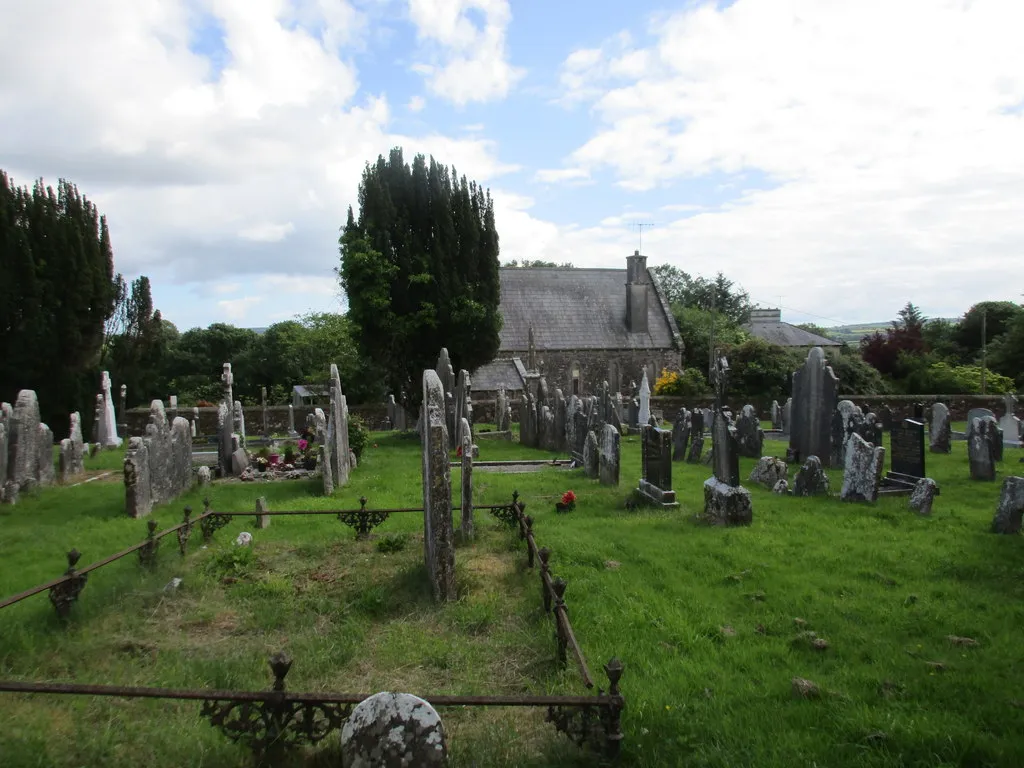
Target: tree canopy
{"x": 718, "y": 294}
{"x": 420, "y": 268}
{"x": 57, "y": 290}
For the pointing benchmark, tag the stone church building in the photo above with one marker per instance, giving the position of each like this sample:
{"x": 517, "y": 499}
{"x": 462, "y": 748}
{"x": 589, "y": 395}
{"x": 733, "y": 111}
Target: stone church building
{"x": 580, "y": 327}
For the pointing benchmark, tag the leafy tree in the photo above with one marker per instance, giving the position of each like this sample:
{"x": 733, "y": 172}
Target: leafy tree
{"x": 718, "y": 294}
{"x": 536, "y": 263}
{"x": 695, "y": 328}
{"x": 758, "y": 368}
{"x": 1006, "y": 353}
{"x": 998, "y": 315}
{"x": 194, "y": 363}
{"x": 905, "y": 337}
{"x": 940, "y": 337}
{"x": 855, "y": 376}
{"x": 57, "y": 289}
{"x": 136, "y": 345}
{"x": 420, "y": 269}
{"x": 941, "y": 378}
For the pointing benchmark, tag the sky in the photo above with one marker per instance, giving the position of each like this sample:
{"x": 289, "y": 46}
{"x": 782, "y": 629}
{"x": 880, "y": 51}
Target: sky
{"x": 834, "y": 158}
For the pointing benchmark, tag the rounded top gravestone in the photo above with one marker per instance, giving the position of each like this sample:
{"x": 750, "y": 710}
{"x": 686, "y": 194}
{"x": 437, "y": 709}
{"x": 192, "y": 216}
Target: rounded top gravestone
{"x": 393, "y": 730}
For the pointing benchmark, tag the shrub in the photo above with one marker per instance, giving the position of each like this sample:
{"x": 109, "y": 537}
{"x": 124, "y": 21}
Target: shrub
{"x": 690, "y": 382}
{"x": 944, "y": 379}
{"x": 392, "y": 542}
{"x": 358, "y": 435}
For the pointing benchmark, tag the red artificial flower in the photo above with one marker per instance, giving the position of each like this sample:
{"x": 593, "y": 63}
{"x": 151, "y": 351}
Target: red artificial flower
{"x": 458, "y": 451}
{"x": 568, "y": 497}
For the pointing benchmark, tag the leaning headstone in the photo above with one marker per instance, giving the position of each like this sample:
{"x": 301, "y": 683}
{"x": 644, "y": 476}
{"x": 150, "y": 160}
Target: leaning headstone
{"x": 749, "y": 435}
{"x": 1011, "y": 506}
{"x": 981, "y": 448}
{"x": 45, "y": 474}
{"x": 438, "y": 539}
{"x": 262, "y": 518}
{"x": 769, "y": 471}
{"x": 924, "y": 493}
{"x": 811, "y": 480}
{"x": 680, "y": 434}
{"x": 644, "y": 414}
{"x": 608, "y": 470}
{"x": 138, "y": 494}
{"x": 815, "y": 389}
{"x": 941, "y": 432}
{"x": 656, "y": 466}
{"x": 393, "y": 729}
{"x": 863, "y": 472}
{"x": 591, "y": 456}
{"x": 467, "y": 482}
{"x": 23, "y": 441}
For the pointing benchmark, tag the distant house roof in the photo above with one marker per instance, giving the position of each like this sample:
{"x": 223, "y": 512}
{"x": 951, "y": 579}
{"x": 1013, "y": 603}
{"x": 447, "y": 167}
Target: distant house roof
{"x": 310, "y": 390}
{"x": 767, "y": 324}
{"x": 578, "y": 309}
{"x": 508, "y": 374}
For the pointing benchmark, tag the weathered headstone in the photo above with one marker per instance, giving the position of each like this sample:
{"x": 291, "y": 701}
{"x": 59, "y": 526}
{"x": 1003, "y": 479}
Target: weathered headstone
{"x": 924, "y": 493}
{"x": 769, "y": 471}
{"x": 811, "y": 479}
{"x": 726, "y": 502}
{"x": 1008, "y": 423}
{"x": 574, "y": 442}
{"x": 138, "y": 495}
{"x": 203, "y": 475}
{"x": 608, "y": 470}
{"x": 224, "y": 439}
{"x": 787, "y": 416}
{"x": 467, "y": 482}
{"x": 656, "y": 466}
{"x": 644, "y": 413}
{"x": 108, "y": 419}
{"x": 291, "y": 421}
{"x": 462, "y": 397}
{"x": 981, "y": 448}
{"x": 680, "y": 434}
{"x": 337, "y": 431}
{"x": 1011, "y": 506}
{"x": 23, "y": 441}
{"x": 886, "y": 417}
{"x": 863, "y": 471}
{"x": 560, "y": 411}
{"x": 323, "y": 461}
{"x": 72, "y": 450}
{"x": 814, "y": 400}
{"x": 262, "y": 518}
{"x": 696, "y": 436}
{"x": 749, "y": 435}
{"x": 239, "y": 422}
{"x": 847, "y": 419}
{"x": 500, "y": 408}
{"x": 438, "y": 538}
{"x": 393, "y": 729}
{"x": 940, "y": 432}
{"x": 45, "y": 474}
{"x": 122, "y": 423}
{"x": 776, "y": 415}
{"x": 591, "y": 456}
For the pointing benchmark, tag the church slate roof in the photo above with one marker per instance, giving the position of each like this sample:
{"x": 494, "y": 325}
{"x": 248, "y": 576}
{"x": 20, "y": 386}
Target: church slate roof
{"x": 507, "y": 374}
{"x": 786, "y": 335}
{"x": 578, "y": 309}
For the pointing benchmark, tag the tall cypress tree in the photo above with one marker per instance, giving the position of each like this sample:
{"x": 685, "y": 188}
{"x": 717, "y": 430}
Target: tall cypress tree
{"x": 419, "y": 265}
{"x": 56, "y": 290}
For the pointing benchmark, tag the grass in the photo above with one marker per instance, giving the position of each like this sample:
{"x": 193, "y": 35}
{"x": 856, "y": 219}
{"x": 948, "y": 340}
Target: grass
{"x": 705, "y": 620}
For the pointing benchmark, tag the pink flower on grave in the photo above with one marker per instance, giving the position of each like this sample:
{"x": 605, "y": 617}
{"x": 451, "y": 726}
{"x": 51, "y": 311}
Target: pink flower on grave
{"x": 303, "y": 444}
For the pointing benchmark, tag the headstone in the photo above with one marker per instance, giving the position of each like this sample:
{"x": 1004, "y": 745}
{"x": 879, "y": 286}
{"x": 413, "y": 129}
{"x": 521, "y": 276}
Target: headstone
{"x": 574, "y": 410}
{"x": 462, "y": 397}
{"x": 847, "y": 419}
{"x": 560, "y": 410}
{"x": 393, "y": 729}
{"x": 438, "y": 539}
{"x": 108, "y": 419}
{"x": 337, "y": 431}
{"x": 781, "y": 487}
{"x": 907, "y": 445}
{"x": 977, "y": 413}
{"x": 633, "y": 412}
{"x": 226, "y": 422}
{"x": 445, "y": 371}
{"x": 726, "y": 502}
{"x": 1010, "y": 424}
{"x": 262, "y": 518}
{"x": 608, "y": 471}
{"x": 266, "y": 413}
{"x": 123, "y": 412}
{"x": 787, "y": 416}
{"x": 656, "y": 466}
{"x": 500, "y": 408}
{"x": 941, "y": 432}
{"x": 726, "y": 457}
{"x": 45, "y": 474}
{"x": 749, "y": 435}
{"x": 23, "y": 441}
{"x": 1011, "y": 506}
{"x": 680, "y": 434}
{"x": 924, "y": 493}
{"x": 323, "y": 461}
{"x": 97, "y": 419}
{"x": 981, "y": 448}
{"x": 814, "y": 400}
{"x": 644, "y": 414}
{"x": 239, "y": 422}
{"x": 467, "y": 482}
{"x": 138, "y": 494}
{"x": 203, "y": 475}
{"x": 591, "y": 456}
{"x": 76, "y": 458}
{"x": 776, "y": 415}
{"x": 872, "y": 429}
{"x": 192, "y": 430}
{"x": 769, "y": 471}
{"x": 811, "y": 480}
{"x": 3, "y": 455}
{"x": 886, "y": 417}
{"x": 696, "y": 436}
{"x": 862, "y": 474}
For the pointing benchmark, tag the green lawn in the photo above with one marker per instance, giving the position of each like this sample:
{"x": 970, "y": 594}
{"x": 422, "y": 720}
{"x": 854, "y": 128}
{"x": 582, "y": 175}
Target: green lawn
{"x": 706, "y": 620}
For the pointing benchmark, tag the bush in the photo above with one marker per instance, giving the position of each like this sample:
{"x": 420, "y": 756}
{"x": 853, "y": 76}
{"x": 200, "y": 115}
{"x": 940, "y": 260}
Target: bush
{"x": 392, "y": 542}
{"x": 690, "y": 382}
{"x": 944, "y": 379}
{"x": 855, "y": 376}
{"x": 358, "y": 435}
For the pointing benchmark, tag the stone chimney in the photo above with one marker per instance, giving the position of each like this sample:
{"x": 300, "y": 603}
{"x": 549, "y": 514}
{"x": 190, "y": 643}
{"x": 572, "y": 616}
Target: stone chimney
{"x": 637, "y": 292}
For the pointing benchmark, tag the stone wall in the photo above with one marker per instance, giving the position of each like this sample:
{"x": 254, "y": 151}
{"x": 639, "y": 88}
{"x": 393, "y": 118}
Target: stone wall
{"x": 373, "y": 414}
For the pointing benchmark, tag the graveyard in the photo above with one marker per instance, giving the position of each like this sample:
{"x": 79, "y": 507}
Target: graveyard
{"x": 859, "y": 633}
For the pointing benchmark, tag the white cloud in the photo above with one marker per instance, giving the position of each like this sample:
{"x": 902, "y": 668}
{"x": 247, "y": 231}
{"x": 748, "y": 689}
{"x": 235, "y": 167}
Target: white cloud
{"x": 467, "y": 63}
{"x": 887, "y": 133}
{"x": 267, "y": 233}
{"x": 237, "y": 310}
{"x": 558, "y": 175}
{"x": 222, "y": 288}
{"x": 416, "y": 104}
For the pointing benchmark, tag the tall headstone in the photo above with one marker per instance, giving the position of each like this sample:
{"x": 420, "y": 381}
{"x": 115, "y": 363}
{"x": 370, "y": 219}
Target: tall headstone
{"x": 438, "y": 538}
{"x": 500, "y": 411}
{"x": 680, "y": 434}
{"x": 138, "y": 495}
{"x": 561, "y": 414}
{"x": 696, "y": 436}
{"x": 467, "y": 482}
{"x": 749, "y": 435}
{"x": 337, "y": 431}
{"x": 266, "y": 413}
{"x": 108, "y": 419}
{"x": 23, "y": 441}
{"x": 45, "y": 474}
{"x": 644, "y": 414}
{"x": 463, "y": 398}
{"x": 846, "y": 419}
{"x": 225, "y": 432}
{"x": 123, "y": 412}
{"x": 1011, "y": 507}
{"x": 776, "y": 415}
{"x": 574, "y": 409}
{"x": 291, "y": 421}
{"x": 239, "y": 422}
{"x": 862, "y": 474}
{"x": 787, "y": 416}
{"x": 608, "y": 470}
{"x": 726, "y": 502}
{"x": 591, "y": 456}
{"x": 981, "y": 448}
{"x": 815, "y": 389}
{"x": 656, "y": 466}
{"x": 1010, "y": 424}
{"x": 941, "y": 432}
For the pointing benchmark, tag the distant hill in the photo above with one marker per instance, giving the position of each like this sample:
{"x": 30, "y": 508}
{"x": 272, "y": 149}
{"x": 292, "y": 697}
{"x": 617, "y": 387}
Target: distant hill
{"x": 852, "y": 334}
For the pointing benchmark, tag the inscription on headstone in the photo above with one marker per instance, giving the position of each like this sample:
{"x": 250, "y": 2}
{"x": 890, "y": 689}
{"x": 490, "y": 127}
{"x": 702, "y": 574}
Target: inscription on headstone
{"x": 907, "y": 448}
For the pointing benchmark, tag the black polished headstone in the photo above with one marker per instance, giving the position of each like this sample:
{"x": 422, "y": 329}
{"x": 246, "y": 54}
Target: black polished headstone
{"x": 907, "y": 448}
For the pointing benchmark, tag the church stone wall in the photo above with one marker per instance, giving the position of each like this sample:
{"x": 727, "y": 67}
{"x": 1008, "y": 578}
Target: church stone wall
{"x": 616, "y": 366}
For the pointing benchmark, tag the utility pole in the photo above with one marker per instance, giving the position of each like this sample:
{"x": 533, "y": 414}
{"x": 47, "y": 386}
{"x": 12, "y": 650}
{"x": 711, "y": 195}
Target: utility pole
{"x": 984, "y": 346}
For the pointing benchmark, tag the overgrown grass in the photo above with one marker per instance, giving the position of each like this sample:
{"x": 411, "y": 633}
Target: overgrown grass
{"x": 706, "y": 620}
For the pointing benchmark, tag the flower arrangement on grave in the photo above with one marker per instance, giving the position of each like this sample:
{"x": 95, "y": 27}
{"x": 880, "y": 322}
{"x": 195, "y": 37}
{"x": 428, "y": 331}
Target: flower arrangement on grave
{"x": 307, "y": 454}
{"x": 289, "y": 453}
{"x": 567, "y": 504}
{"x": 262, "y": 462}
